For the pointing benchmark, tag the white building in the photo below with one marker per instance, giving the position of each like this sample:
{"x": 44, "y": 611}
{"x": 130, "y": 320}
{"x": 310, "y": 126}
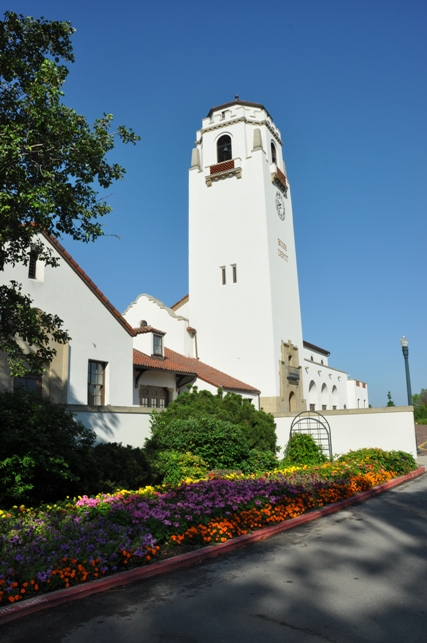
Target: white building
{"x": 244, "y": 302}
{"x": 242, "y": 315}
{"x": 238, "y": 329}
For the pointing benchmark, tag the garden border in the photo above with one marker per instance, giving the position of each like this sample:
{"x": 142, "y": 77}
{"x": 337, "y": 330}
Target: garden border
{"x": 27, "y": 607}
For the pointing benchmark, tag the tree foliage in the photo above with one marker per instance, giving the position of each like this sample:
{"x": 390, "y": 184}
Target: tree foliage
{"x": 258, "y": 427}
{"x": 390, "y": 401}
{"x": 51, "y": 163}
{"x": 302, "y": 449}
{"x": 219, "y": 443}
{"x": 419, "y": 401}
{"x": 44, "y": 451}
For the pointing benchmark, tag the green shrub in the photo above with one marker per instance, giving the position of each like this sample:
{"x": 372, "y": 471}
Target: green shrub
{"x": 259, "y": 462}
{"x": 302, "y": 449}
{"x": 258, "y": 427}
{"x": 44, "y": 450}
{"x": 115, "y": 466}
{"x": 175, "y": 467}
{"x": 399, "y": 462}
{"x": 221, "y": 444}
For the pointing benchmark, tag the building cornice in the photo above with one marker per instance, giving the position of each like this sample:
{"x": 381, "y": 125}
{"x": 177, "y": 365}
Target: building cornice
{"x": 242, "y": 119}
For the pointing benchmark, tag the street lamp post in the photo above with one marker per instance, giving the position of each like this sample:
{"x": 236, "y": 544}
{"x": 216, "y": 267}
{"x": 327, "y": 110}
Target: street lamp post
{"x": 405, "y": 351}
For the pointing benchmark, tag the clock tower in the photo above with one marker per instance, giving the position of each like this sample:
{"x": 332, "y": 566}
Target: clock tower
{"x": 243, "y": 281}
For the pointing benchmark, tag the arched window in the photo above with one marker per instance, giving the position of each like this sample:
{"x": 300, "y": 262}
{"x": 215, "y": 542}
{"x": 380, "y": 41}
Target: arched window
{"x": 224, "y": 148}
{"x": 325, "y": 397}
{"x": 334, "y": 397}
{"x": 312, "y": 395}
{"x": 273, "y": 153}
{"x": 292, "y": 402}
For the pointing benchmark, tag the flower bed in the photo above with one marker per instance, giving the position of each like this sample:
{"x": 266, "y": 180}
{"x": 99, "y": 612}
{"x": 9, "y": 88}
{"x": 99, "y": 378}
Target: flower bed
{"x": 56, "y": 546}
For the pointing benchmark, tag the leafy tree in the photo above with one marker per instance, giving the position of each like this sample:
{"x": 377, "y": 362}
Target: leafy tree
{"x": 219, "y": 443}
{"x": 44, "y": 451}
{"x": 390, "y": 401}
{"x": 258, "y": 427}
{"x": 302, "y": 449}
{"x": 419, "y": 401}
{"x": 50, "y": 161}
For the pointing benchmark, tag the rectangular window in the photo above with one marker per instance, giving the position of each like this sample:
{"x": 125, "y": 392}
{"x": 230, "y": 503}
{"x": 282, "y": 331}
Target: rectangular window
{"x": 157, "y": 345}
{"x": 29, "y": 382}
{"x": 334, "y": 408}
{"x": 234, "y": 267}
{"x": 96, "y": 383}
{"x": 323, "y": 407}
{"x": 223, "y": 278}
{"x": 32, "y": 265}
{"x": 312, "y": 407}
{"x": 153, "y": 397}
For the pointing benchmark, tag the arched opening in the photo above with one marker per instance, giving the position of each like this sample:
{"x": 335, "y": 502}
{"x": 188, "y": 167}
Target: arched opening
{"x": 224, "y": 151}
{"x": 292, "y": 402}
{"x": 273, "y": 153}
{"x": 334, "y": 397}
{"x": 324, "y": 395}
{"x": 312, "y": 395}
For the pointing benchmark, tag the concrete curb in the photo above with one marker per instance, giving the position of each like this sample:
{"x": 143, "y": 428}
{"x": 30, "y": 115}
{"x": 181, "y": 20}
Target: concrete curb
{"x": 18, "y": 610}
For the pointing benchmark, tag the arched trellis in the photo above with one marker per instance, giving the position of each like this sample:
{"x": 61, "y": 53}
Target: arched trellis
{"x": 314, "y": 424}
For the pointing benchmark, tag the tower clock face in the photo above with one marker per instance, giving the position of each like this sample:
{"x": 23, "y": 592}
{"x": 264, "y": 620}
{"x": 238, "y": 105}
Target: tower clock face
{"x": 280, "y": 205}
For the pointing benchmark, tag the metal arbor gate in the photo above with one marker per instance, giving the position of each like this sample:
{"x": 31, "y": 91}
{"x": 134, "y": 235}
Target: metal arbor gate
{"x": 315, "y": 425}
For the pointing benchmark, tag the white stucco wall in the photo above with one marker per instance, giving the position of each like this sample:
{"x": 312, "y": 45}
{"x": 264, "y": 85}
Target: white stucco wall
{"x": 156, "y": 314}
{"x": 387, "y": 428}
{"x": 127, "y": 425}
{"x": 331, "y": 379}
{"x": 96, "y": 334}
{"x": 234, "y": 222}
{"x": 357, "y": 394}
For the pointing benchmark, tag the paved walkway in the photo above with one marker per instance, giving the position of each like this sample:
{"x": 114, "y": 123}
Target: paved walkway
{"x": 354, "y": 577}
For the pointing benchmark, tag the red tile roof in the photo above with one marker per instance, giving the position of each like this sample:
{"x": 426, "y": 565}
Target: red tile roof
{"x": 178, "y": 363}
{"x": 180, "y": 302}
{"x": 89, "y": 283}
{"x": 147, "y": 329}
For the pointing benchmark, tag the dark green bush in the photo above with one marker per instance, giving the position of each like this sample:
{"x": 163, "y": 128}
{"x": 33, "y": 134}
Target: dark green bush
{"x": 258, "y": 427}
{"x": 302, "y": 449}
{"x": 115, "y": 466}
{"x": 44, "y": 450}
{"x": 397, "y": 461}
{"x": 221, "y": 444}
{"x": 175, "y": 467}
{"x": 259, "y": 462}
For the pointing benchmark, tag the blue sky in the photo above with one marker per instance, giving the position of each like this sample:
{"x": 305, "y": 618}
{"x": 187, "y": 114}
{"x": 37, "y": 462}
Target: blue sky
{"x": 345, "y": 83}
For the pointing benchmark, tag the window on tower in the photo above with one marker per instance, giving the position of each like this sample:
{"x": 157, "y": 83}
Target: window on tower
{"x": 223, "y": 279}
{"x": 273, "y": 154}
{"x": 234, "y": 268}
{"x": 224, "y": 149}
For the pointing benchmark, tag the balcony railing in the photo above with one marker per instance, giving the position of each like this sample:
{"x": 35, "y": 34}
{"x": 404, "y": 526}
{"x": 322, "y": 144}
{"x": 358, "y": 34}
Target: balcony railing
{"x": 279, "y": 179}
{"x": 224, "y": 170}
{"x": 293, "y": 373}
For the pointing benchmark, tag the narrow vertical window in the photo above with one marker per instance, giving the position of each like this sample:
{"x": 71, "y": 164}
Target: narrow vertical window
{"x": 234, "y": 267}
{"x": 273, "y": 154}
{"x": 224, "y": 149}
{"x": 96, "y": 383}
{"x": 157, "y": 345}
{"x": 32, "y": 265}
{"x": 223, "y": 278}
